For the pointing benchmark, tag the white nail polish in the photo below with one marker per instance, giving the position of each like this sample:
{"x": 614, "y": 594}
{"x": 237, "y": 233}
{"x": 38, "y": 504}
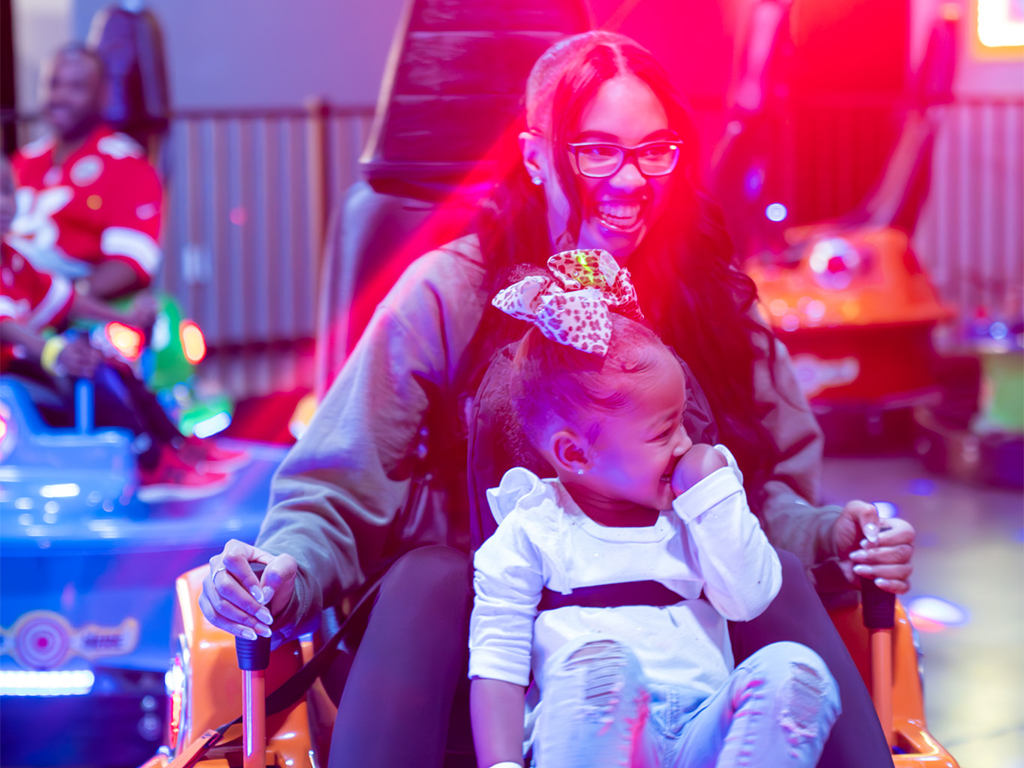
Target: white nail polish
{"x": 871, "y": 532}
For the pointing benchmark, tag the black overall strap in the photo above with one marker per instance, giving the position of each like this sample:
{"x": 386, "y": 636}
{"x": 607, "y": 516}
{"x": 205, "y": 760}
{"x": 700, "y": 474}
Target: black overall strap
{"x": 611, "y": 596}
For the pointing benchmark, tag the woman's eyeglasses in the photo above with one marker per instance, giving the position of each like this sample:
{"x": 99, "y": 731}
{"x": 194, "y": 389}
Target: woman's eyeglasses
{"x": 598, "y": 160}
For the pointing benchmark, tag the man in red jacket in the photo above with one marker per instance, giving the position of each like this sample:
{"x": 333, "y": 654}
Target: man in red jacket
{"x": 88, "y": 211}
{"x": 88, "y": 201}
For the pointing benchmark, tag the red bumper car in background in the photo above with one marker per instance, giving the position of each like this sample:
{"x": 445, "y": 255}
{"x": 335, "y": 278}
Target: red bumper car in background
{"x": 857, "y": 313}
{"x": 847, "y": 295}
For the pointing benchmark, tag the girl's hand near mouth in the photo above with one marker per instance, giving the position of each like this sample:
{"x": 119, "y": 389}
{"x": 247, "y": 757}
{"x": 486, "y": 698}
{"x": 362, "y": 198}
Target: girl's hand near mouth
{"x": 694, "y": 465}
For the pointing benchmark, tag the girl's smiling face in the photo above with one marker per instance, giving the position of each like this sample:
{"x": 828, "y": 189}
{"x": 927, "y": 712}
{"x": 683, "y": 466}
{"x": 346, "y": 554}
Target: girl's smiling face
{"x": 619, "y": 210}
{"x": 627, "y": 467}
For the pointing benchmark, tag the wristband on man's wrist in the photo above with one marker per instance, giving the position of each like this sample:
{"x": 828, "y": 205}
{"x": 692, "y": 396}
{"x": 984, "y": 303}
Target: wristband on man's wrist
{"x": 51, "y": 351}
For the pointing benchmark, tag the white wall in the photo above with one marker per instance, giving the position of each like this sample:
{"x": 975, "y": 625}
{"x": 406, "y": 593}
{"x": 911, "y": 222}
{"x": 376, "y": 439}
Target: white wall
{"x": 253, "y": 53}
{"x": 40, "y": 27}
{"x": 268, "y": 53}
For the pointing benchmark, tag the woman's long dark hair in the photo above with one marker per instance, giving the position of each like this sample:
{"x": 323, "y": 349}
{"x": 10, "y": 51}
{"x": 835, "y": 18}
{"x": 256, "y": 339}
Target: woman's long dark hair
{"x": 685, "y": 270}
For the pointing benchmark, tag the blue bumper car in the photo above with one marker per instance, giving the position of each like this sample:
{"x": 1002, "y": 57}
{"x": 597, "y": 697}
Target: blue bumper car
{"x": 87, "y": 573}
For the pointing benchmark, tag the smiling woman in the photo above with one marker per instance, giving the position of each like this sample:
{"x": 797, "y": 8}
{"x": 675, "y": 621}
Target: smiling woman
{"x": 607, "y": 162}
{"x": 621, "y": 200}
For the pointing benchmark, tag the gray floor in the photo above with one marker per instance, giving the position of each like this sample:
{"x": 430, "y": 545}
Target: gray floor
{"x": 970, "y": 552}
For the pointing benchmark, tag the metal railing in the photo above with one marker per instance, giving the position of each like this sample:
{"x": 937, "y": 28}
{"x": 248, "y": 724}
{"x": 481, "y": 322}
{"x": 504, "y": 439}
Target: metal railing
{"x": 971, "y": 235}
{"x": 249, "y": 196}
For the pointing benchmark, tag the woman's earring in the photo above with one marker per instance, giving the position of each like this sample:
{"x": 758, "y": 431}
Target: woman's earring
{"x": 579, "y": 471}
{"x": 537, "y": 180}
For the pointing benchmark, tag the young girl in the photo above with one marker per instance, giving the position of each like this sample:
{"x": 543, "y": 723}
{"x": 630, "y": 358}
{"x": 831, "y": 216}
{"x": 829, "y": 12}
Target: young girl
{"x": 613, "y": 581}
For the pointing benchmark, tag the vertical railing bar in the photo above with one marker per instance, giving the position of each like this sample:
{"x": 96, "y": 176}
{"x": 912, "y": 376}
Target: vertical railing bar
{"x": 285, "y": 254}
{"x": 1012, "y": 214}
{"x": 207, "y": 255}
{"x": 939, "y": 204}
{"x": 232, "y": 301}
{"x": 192, "y": 221}
{"x": 256, "y": 259}
{"x": 945, "y": 232}
{"x": 206, "y": 287}
{"x": 242, "y": 275}
{"x": 274, "y": 208}
{"x": 221, "y": 242}
{"x": 311, "y": 237}
{"x": 980, "y": 139}
{"x": 318, "y": 159}
{"x": 338, "y": 171}
{"x": 963, "y": 208}
{"x": 297, "y": 210}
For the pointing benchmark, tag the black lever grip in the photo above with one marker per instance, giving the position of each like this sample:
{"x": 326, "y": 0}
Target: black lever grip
{"x": 879, "y": 606}
{"x": 253, "y": 655}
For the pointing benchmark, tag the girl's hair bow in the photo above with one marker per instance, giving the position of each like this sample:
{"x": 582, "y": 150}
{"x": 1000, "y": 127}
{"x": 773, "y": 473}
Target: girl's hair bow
{"x": 572, "y": 306}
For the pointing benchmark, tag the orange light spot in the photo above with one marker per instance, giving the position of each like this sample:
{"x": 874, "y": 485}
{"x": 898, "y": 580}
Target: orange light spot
{"x": 192, "y": 342}
{"x": 850, "y": 310}
{"x": 127, "y": 341}
{"x": 94, "y": 202}
{"x": 922, "y": 624}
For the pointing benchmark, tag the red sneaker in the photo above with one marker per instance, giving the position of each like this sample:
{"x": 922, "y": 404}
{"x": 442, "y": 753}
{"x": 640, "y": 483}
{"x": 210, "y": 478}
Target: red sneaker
{"x": 204, "y": 453}
{"x": 175, "y": 480}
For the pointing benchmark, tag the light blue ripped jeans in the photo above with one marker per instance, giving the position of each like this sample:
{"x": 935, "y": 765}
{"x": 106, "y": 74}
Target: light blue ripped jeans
{"x": 776, "y": 709}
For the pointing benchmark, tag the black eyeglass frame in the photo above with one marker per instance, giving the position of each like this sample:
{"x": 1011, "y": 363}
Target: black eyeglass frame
{"x": 628, "y": 153}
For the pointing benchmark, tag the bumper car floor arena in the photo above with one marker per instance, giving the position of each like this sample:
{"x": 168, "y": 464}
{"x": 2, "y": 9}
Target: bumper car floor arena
{"x": 966, "y": 599}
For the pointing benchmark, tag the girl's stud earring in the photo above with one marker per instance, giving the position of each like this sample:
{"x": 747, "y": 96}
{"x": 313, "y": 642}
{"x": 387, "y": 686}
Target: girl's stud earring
{"x": 537, "y": 180}
{"x": 579, "y": 471}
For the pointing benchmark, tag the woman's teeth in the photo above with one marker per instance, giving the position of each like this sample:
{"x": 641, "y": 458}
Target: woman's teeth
{"x": 619, "y": 215}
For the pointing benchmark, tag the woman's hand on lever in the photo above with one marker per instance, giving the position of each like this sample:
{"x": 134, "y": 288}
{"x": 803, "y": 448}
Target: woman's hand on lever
{"x": 235, "y": 600}
{"x": 872, "y": 548}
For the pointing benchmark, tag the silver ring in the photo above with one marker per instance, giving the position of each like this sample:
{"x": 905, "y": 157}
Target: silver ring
{"x": 213, "y": 576}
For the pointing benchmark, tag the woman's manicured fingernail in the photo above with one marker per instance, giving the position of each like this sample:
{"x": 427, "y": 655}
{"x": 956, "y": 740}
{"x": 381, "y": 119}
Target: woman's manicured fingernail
{"x": 861, "y": 570}
{"x": 257, "y": 594}
{"x": 262, "y": 630}
{"x": 268, "y": 595}
{"x": 871, "y": 532}
{"x": 858, "y": 554}
{"x": 248, "y": 634}
{"x": 264, "y": 615}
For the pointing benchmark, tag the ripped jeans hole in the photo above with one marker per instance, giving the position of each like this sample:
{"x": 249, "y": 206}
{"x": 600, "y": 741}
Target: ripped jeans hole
{"x": 602, "y": 667}
{"x": 804, "y": 695}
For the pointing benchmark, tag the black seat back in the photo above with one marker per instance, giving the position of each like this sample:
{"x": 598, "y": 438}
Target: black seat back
{"x": 451, "y": 92}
